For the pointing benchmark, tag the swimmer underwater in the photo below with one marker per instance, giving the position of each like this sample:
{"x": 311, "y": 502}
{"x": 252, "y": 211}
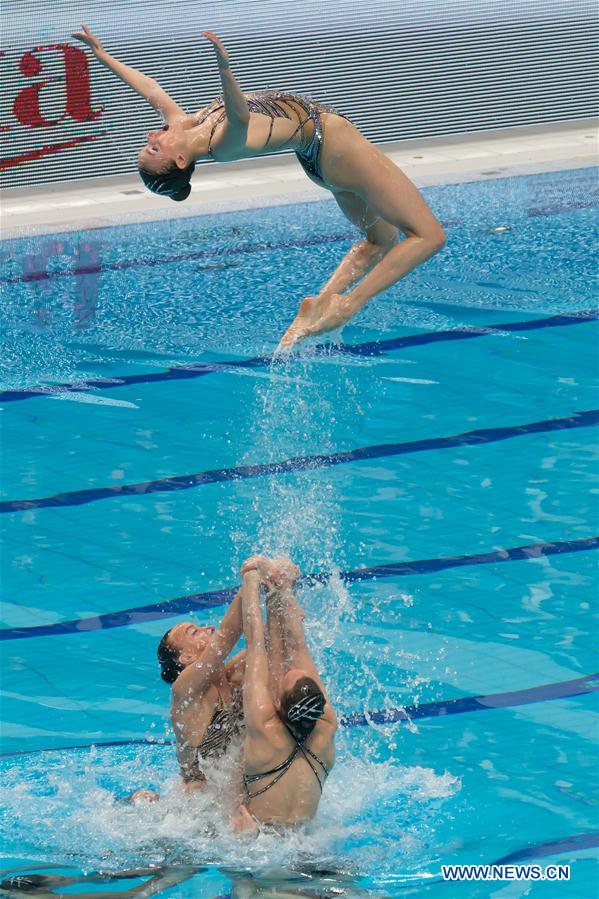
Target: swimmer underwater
{"x": 372, "y": 192}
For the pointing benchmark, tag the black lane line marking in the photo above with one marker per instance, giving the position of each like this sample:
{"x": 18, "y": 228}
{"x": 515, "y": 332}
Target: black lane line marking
{"x": 571, "y": 843}
{"x": 211, "y": 599}
{"x": 154, "y": 261}
{"x": 372, "y": 348}
{"x": 478, "y": 437}
{"x": 589, "y": 683}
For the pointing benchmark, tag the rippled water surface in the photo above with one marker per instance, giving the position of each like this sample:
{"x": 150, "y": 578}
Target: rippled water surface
{"x": 437, "y": 471}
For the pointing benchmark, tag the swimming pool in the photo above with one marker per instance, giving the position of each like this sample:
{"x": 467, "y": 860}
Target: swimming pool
{"x": 438, "y": 464}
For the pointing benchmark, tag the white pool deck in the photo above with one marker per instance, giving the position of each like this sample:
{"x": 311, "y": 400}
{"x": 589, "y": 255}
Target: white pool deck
{"x": 224, "y": 187}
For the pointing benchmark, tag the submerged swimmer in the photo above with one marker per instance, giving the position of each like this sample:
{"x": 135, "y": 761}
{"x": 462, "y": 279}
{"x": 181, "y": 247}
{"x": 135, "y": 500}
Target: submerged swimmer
{"x": 289, "y": 745}
{"x": 206, "y": 704}
{"x": 274, "y": 883}
{"x": 370, "y": 189}
{"x": 50, "y": 886}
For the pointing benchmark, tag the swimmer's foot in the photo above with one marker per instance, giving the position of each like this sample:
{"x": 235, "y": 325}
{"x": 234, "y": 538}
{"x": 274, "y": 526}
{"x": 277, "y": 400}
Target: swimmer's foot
{"x": 318, "y": 315}
{"x": 298, "y": 329}
{"x": 244, "y": 822}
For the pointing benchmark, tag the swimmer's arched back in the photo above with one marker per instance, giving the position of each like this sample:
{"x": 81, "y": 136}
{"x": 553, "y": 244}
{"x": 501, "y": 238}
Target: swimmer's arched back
{"x": 371, "y": 191}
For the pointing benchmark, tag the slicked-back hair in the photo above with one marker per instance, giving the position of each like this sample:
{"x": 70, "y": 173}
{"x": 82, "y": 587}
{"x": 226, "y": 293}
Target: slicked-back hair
{"x": 173, "y": 182}
{"x": 168, "y": 659}
{"x": 302, "y": 706}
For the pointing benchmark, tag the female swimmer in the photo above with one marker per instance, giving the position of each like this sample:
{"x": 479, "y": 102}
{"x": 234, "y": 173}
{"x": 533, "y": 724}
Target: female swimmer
{"x": 370, "y": 189}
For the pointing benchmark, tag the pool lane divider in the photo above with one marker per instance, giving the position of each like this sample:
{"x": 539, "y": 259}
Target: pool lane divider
{"x": 574, "y": 842}
{"x": 563, "y": 690}
{"x": 369, "y": 349}
{"x": 579, "y": 686}
{"x": 213, "y": 598}
{"x": 478, "y": 437}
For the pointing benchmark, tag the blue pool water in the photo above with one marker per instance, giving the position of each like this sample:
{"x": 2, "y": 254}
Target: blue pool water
{"x": 435, "y": 469}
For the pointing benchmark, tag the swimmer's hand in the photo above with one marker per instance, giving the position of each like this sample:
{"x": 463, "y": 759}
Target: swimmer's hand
{"x": 222, "y": 55}
{"x": 318, "y": 315}
{"x": 275, "y": 574}
{"x": 94, "y": 43}
{"x": 243, "y": 822}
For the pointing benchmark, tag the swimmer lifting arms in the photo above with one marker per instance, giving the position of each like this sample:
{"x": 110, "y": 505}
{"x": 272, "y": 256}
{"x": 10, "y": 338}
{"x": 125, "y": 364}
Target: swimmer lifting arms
{"x": 372, "y": 192}
{"x": 287, "y": 720}
{"x": 206, "y": 711}
{"x": 289, "y": 746}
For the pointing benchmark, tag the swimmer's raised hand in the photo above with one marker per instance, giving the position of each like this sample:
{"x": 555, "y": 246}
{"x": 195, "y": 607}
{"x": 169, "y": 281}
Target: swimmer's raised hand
{"x": 222, "y": 55}
{"x": 275, "y": 574}
{"x": 86, "y": 37}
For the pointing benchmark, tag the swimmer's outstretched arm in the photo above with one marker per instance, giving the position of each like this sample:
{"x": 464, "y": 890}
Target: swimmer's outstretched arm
{"x": 147, "y": 87}
{"x": 258, "y": 706}
{"x": 275, "y": 645}
{"x": 235, "y": 668}
{"x": 280, "y": 577}
{"x": 234, "y": 135}
{"x": 296, "y": 648}
{"x": 196, "y": 678}
{"x": 277, "y": 575}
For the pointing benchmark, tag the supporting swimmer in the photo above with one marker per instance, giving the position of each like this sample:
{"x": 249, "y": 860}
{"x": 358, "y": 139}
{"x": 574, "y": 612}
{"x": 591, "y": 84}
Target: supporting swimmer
{"x": 206, "y": 707}
{"x": 289, "y": 746}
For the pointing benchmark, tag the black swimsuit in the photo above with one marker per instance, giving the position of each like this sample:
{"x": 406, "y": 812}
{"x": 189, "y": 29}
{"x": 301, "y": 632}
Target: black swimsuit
{"x": 273, "y": 104}
{"x": 281, "y": 769}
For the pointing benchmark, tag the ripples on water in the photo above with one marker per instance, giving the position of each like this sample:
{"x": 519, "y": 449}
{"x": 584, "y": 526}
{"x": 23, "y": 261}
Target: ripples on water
{"x": 378, "y": 818}
{"x": 231, "y": 283}
{"x": 380, "y": 821}
{"x": 62, "y": 806}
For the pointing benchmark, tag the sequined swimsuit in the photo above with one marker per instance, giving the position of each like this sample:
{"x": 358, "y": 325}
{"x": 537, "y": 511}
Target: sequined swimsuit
{"x": 225, "y": 724}
{"x": 273, "y": 104}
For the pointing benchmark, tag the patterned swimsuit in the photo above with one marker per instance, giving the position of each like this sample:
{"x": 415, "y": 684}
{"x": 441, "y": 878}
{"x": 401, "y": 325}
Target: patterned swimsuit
{"x": 277, "y": 104}
{"x": 225, "y": 724}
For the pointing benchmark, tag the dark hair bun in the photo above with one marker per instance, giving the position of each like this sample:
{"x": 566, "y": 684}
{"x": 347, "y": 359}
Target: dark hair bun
{"x": 302, "y": 706}
{"x": 182, "y": 195}
{"x": 168, "y": 659}
{"x": 173, "y": 183}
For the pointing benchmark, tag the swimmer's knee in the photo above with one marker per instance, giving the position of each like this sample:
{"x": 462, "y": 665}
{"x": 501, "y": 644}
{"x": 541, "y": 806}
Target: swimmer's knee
{"x": 431, "y": 241}
{"x": 436, "y": 240}
{"x": 382, "y": 235}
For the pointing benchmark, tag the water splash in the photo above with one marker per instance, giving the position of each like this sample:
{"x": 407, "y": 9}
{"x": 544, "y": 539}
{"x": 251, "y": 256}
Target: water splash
{"x": 63, "y": 806}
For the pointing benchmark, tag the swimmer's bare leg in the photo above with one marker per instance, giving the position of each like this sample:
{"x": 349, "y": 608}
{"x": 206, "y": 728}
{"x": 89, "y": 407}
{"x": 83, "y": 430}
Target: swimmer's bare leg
{"x": 380, "y": 236}
{"x": 389, "y": 196}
